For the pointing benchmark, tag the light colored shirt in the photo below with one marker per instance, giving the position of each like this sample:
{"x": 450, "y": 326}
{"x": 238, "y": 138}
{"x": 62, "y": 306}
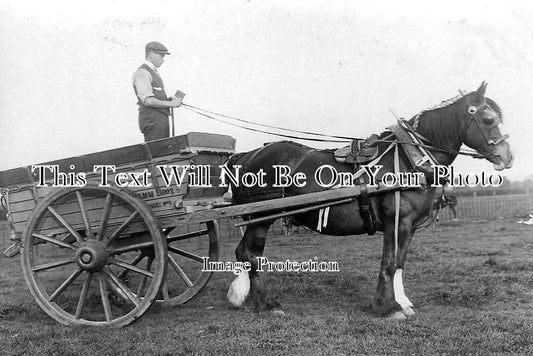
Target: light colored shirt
{"x": 142, "y": 81}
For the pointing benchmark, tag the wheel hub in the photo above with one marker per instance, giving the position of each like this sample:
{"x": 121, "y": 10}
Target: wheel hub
{"x": 92, "y": 256}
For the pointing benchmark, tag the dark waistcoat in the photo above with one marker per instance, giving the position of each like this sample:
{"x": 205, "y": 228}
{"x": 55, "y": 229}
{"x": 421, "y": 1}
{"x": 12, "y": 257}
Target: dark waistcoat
{"x": 158, "y": 88}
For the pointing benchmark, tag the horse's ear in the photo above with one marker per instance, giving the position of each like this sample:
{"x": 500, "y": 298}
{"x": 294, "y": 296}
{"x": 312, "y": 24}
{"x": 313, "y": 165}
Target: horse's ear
{"x": 482, "y": 89}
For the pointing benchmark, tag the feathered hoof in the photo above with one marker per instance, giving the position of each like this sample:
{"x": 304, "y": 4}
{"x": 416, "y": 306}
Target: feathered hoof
{"x": 397, "y": 316}
{"x": 239, "y": 290}
{"x": 408, "y": 311}
{"x": 278, "y": 312}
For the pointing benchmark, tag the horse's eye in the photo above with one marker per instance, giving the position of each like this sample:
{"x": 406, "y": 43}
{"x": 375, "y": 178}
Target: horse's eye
{"x": 488, "y": 122}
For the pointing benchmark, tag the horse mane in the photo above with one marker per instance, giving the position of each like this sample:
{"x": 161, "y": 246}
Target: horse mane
{"x": 441, "y": 123}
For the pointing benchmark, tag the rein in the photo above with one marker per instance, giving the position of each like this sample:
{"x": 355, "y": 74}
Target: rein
{"x": 472, "y": 110}
{"x": 430, "y": 146}
{"x": 203, "y": 112}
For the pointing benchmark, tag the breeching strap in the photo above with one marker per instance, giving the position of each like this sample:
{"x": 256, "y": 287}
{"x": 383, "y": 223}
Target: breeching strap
{"x": 397, "y": 205}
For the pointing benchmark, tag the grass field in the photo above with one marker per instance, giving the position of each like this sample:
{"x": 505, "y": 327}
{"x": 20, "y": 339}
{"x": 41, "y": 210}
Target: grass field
{"x": 471, "y": 283}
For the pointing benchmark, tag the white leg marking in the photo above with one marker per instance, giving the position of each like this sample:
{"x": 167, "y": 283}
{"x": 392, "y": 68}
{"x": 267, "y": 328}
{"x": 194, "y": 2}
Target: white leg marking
{"x": 239, "y": 289}
{"x": 319, "y": 225}
{"x": 399, "y": 294}
{"x": 326, "y": 215}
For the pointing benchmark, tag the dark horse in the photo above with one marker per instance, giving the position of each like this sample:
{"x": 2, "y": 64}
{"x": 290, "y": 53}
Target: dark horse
{"x": 470, "y": 119}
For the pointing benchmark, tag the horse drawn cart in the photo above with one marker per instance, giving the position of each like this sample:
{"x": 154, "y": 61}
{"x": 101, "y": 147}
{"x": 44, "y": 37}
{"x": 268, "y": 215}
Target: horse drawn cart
{"x": 99, "y": 232}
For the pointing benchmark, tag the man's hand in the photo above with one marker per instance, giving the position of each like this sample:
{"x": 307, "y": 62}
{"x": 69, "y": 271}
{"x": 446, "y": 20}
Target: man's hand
{"x": 172, "y": 102}
{"x": 175, "y": 102}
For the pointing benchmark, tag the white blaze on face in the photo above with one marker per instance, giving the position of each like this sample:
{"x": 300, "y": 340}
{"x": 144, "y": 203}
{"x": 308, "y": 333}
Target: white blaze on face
{"x": 399, "y": 294}
{"x": 239, "y": 289}
{"x": 499, "y": 167}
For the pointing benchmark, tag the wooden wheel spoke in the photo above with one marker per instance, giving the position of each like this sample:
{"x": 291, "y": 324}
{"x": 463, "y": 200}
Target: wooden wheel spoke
{"x": 54, "y": 241}
{"x": 164, "y": 290}
{"x": 122, "y": 249}
{"x": 127, "y": 292}
{"x": 65, "y": 284}
{"x": 50, "y": 265}
{"x": 84, "y": 215}
{"x": 65, "y": 223}
{"x": 181, "y": 273}
{"x": 192, "y": 256}
{"x": 130, "y": 267}
{"x": 83, "y": 295}
{"x": 105, "y": 215}
{"x": 122, "y": 227}
{"x": 105, "y": 298}
{"x": 140, "y": 288}
{"x": 142, "y": 284}
{"x": 134, "y": 263}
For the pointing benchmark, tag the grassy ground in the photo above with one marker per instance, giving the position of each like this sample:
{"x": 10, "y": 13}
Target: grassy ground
{"x": 471, "y": 283}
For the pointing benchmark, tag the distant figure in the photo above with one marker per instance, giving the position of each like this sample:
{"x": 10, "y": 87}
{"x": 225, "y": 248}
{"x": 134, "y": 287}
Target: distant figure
{"x": 286, "y": 225}
{"x": 154, "y": 105}
{"x": 447, "y": 201}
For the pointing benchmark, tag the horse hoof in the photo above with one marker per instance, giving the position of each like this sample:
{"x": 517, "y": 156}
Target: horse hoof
{"x": 408, "y": 311}
{"x": 239, "y": 290}
{"x": 398, "y": 316}
{"x": 278, "y": 312}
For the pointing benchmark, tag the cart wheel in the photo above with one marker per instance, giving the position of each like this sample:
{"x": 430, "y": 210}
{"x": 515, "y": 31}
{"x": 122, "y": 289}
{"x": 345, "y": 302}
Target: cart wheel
{"x": 78, "y": 242}
{"x": 185, "y": 277}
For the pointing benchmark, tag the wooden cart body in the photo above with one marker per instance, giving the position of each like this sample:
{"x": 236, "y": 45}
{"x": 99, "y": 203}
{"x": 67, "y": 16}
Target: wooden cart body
{"x": 167, "y": 201}
{"x": 85, "y": 237}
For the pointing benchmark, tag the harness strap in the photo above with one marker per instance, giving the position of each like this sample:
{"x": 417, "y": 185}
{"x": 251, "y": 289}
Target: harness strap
{"x": 360, "y": 172}
{"x": 365, "y": 210}
{"x": 415, "y": 137}
{"x": 397, "y": 206}
{"x": 303, "y": 158}
{"x": 419, "y": 157}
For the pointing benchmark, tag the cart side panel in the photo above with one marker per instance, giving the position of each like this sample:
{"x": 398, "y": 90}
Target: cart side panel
{"x": 166, "y": 201}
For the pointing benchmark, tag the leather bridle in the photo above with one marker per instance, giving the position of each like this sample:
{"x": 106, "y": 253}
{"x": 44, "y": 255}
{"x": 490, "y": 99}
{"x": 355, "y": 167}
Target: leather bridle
{"x": 474, "y": 112}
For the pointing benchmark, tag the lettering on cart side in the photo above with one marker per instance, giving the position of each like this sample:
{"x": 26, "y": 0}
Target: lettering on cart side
{"x": 161, "y": 204}
{"x": 164, "y": 191}
{"x": 145, "y": 195}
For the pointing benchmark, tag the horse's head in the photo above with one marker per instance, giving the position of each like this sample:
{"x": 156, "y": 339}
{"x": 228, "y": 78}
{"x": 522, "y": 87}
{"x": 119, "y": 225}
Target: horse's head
{"x": 481, "y": 129}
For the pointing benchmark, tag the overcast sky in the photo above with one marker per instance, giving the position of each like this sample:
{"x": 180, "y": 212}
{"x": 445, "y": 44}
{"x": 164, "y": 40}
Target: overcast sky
{"x": 334, "y": 67}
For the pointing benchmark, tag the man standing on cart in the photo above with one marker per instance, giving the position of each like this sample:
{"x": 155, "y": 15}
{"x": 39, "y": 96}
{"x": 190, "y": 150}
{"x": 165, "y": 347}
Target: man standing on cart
{"x": 154, "y": 105}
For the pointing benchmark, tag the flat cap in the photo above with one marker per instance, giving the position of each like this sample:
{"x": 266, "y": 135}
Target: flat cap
{"x": 156, "y": 47}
